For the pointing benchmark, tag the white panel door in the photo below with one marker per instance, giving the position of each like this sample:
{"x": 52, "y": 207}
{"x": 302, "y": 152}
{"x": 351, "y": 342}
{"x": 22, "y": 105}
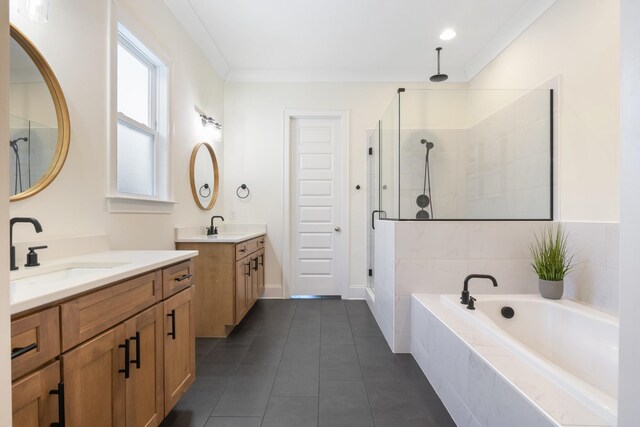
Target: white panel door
{"x": 317, "y": 238}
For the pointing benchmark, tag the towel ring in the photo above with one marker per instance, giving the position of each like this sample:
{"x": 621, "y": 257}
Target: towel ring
{"x": 243, "y": 187}
{"x": 205, "y": 187}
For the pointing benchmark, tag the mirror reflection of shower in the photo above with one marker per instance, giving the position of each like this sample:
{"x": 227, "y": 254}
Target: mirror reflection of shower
{"x": 31, "y": 148}
{"x": 423, "y": 200}
{"x": 17, "y": 186}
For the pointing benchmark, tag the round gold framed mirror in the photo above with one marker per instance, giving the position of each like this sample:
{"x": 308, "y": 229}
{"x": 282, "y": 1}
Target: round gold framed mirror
{"x": 204, "y": 176}
{"x": 39, "y": 130}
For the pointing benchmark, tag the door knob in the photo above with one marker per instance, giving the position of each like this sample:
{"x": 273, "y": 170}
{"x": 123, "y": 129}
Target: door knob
{"x": 338, "y": 229}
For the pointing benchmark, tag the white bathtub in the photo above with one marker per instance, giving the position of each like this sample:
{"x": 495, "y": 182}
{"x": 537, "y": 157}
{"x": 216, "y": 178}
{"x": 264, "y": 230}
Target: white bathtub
{"x": 568, "y": 345}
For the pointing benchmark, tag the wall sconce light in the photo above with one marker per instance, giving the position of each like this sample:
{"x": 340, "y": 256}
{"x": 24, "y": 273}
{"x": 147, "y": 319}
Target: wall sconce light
{"x": 36, "y": 10}
{"x": 206, "y": 121}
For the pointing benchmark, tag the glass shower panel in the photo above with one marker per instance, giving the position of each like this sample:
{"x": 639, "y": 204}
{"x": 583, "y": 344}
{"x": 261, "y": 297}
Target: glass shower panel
{"x": 390, "y": 160}
{"x": 475, "y": 154}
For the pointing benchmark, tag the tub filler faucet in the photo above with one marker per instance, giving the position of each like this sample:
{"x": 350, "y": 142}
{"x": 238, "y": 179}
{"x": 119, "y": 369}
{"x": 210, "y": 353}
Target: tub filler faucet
{"x": 464, "y": 297}
{"x": 213, "y": 231}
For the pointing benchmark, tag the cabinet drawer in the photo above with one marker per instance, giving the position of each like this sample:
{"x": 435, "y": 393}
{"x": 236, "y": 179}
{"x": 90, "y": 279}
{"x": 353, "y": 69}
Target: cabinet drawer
{"x": 35, "y": 340}
{"x": 177, "y": 277}
{"x": 87, "y": 316}
{"x": 242, "y": 250}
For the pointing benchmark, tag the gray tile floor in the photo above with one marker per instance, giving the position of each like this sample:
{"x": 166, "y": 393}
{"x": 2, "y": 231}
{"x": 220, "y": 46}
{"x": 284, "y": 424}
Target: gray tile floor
{"x": 307, "y": 363}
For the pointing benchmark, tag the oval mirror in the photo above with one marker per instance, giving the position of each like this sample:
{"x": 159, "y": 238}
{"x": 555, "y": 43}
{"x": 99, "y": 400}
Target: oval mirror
{"x": 204, "y": 176}
{"x": 38, "y": 120}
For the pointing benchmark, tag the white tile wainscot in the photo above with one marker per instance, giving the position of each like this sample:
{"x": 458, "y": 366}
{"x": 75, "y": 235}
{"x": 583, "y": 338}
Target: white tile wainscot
{"x": 435, "y": 256}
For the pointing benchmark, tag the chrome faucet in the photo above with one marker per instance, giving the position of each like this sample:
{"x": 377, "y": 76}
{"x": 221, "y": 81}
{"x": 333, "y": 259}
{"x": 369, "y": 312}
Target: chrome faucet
{"x": 464, "y": 297}
{"x": 12, "y": 250}
{"x": 213, "y": 231}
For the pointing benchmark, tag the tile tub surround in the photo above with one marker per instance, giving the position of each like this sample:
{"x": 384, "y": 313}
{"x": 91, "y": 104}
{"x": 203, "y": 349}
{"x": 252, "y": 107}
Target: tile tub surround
{"x": 480, "y": 381}
{"x": 307, "y": 363}
{"x": 434, "y": 257}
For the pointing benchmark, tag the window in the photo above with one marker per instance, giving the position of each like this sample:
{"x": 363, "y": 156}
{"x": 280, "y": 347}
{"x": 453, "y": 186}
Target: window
{"x": 141, "y": 145}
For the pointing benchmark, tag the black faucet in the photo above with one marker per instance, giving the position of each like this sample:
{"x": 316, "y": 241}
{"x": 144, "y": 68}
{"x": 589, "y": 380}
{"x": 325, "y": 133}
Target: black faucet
{"x": 12, "y": 250}
{"x": 212, "y": 231}
{"x": 464, "y": 298}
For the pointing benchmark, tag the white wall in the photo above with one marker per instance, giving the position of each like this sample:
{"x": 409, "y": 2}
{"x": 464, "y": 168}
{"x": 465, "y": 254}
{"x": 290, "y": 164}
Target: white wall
{"x": 254, "y": 155}
{"x": 629, "y": 390}
{"x": 75, "y": 42}
{"x": 579, "y": 40}
{"x": 5, "y": 341}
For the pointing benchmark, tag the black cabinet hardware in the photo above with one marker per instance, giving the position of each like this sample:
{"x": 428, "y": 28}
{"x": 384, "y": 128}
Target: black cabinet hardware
{"x": 172, "y": 334}
{"x": 243, "y": 250}
{"x": 248, "y": 270}
{"x": 183, "y": 277}
{"x": 60, "y": 393}
{"x": 255, "y": 268}
{"x": 262, "y": 260}
{"x": 358, "y": 187}
{"x": 136, "y": 361}
{"x": 125, "y": 371}
{"x": 261, "y": 242}
{"x": 19, "y": 351}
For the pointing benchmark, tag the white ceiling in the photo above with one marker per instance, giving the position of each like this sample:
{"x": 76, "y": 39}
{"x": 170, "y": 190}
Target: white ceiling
{"x": 352, "y": 40}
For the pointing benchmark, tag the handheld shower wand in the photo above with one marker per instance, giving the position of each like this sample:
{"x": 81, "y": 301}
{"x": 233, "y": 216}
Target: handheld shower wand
{"x": 18, "y": 168}
{"x": 423, "y": 200}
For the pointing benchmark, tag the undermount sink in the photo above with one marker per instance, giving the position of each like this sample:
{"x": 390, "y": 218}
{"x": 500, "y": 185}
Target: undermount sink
{"x": 56, "y": 273}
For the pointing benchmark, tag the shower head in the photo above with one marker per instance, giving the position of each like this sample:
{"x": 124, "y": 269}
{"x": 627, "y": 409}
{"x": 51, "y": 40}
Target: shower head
{"x": 15, "y": 141}
{"x": 437, "y": 78}
{"x": 429, "y": 144}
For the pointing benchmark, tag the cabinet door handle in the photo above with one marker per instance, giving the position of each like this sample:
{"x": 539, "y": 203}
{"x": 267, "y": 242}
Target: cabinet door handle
{"x": 247, "y": 272}
{"x": 60, "y": 393}
{"x": 125, "y": 371}
{"x": 19, "y": 351}
{"x": 261, "y": 242}
{"x": 172, "y": 334}
{"x": 255, "y": 268}
{"x": 183, "y": 277}
{"x": 243, "y": 250}
{"x": 136, "y": 361}
{"x": 261, "y": 260}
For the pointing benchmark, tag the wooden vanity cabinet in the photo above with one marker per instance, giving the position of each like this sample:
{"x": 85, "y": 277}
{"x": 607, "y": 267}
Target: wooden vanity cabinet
{"x": 243, "y": 284}
{"x": 33, "y": 404}
{"x": 179, "y": 347}
{"x": 94, "y": 381}
{"x": 145, "y": 386}
{"x": 130, "y": 371}
{"x": 230, "y": 278}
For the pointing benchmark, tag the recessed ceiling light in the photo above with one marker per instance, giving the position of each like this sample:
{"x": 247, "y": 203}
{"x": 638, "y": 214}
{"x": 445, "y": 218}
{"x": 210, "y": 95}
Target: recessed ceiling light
{"x": 447, "y": 34}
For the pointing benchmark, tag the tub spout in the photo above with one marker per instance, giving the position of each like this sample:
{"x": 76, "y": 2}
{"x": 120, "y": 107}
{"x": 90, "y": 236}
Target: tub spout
{"x": 464, "y": 297}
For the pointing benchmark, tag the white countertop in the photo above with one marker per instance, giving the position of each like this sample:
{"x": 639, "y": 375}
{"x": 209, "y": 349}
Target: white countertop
{"x": 224, "y": 237}
{"x": 65, "y": 277}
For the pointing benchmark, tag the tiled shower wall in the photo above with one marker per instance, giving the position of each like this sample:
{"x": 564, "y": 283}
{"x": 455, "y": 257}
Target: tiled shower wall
{"x": 497, "y": 167}
{"x": 435, "y": 257}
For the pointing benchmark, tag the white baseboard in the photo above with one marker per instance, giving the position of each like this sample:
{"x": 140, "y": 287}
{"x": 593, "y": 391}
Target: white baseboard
{"x": 357, "y": 292}
{"x": 273, "y": 291}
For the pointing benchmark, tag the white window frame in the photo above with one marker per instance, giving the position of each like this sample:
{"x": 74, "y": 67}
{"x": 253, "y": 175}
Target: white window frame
{"x": 159, "y": 101}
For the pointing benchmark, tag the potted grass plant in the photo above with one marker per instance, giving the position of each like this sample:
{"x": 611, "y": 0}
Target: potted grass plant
{"x": 551, "y": 261}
